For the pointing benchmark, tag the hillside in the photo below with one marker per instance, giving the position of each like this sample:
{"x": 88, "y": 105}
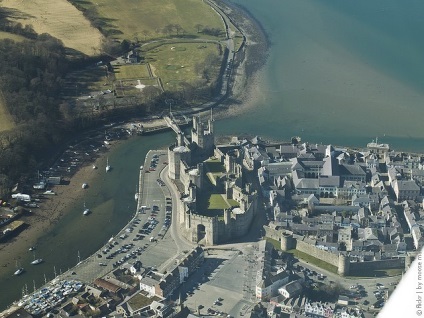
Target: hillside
{"x": 136, "y": 20}
{"x": 6, "y": 120}
{"x": 60, "y": 19}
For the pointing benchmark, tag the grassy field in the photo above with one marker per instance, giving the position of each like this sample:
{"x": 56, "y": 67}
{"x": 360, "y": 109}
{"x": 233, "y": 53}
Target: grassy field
{"x": 176, "y": 63}
{"x": 143, "y": 20}
{"x": 128, "y": 87}
{"x": 11, "y": 36}
{"x": 60, "y": 19}
{"x": 130, "y": 71}
{"x": 6, "y": 121}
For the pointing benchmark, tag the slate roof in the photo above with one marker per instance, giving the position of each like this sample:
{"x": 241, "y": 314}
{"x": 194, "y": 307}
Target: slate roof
{"x": 407, "y": 185}
{"x": 329, "y": 181}
{"x": 356, "y": 169}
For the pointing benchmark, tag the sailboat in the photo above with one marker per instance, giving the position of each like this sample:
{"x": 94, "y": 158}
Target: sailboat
{"x": 136, "y": 193}
{"x": 36, "y": 261}
{"x": 18, "y": 271}
{"x": 108, "y": 167}
{"x": 86, "y": 210}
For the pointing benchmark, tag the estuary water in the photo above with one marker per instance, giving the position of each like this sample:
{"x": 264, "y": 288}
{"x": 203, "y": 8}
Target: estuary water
{"x": 110, "y": 197}
{"x": 339, "y": 72}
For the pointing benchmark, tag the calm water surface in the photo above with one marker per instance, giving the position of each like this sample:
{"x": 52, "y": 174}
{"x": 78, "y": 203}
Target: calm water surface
{"x": 340, "y": 72}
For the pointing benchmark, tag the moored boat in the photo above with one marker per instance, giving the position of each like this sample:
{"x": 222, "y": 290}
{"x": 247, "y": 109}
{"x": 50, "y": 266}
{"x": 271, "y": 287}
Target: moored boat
{"x": 19, "y": 271}
{"x": 108, "y": 167}
{"x": 37, "y": 261}
{"x": 86, "y": 210}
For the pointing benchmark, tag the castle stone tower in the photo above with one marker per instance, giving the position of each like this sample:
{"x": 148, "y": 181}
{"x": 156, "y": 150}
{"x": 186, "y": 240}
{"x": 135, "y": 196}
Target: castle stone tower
{"x": 203, "y": 138}
{"x": 344, "y": 265}
{"x": 175, "y": 155}
{"x": 287, "y": 242}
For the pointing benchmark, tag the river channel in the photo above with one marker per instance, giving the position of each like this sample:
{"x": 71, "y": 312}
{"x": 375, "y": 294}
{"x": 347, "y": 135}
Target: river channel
{"x": 339, "y": 72}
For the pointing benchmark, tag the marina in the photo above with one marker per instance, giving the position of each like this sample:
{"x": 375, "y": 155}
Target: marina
{"x": 50, "y": 296}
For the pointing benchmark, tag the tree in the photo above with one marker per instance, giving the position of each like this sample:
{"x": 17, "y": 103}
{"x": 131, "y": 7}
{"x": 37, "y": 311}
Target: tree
{"x": 167, "y": 29}
{"x": 178, "y": 29}
{"x": 199, "y": 27}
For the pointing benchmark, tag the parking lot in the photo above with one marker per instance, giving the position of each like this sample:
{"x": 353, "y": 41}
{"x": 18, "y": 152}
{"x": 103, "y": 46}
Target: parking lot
{"x": 145, "y": 237}
{"x": 223, "y": 285}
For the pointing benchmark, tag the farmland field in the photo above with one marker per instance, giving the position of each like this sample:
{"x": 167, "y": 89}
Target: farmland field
{"x": 11, "y": 36}
{"x": 143, "y": 20}
{"x": 60, "y": 19}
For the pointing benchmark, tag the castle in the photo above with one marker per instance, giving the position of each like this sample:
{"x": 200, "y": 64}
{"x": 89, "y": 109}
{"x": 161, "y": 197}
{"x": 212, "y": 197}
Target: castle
{"x": 216, "y": 203}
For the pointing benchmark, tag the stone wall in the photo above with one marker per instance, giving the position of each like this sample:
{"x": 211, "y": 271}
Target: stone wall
{"x": 272, "y": 233}
{"x": 373, "y": 265}
{"x": 325, "y": 256}
{"x": 241, "y": 222}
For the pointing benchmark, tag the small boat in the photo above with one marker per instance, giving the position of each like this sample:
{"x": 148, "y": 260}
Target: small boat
{"x": 19, "y": 271}
{"x": 86, "y": 210}
{"x": 94, "y": 167}
{"x": 108, "y": 167}
{"x": 37, "y": 261}
{"x": 136, "y": 193}
{"x": 32, "y": 248}
{"x": 84, "y": 185}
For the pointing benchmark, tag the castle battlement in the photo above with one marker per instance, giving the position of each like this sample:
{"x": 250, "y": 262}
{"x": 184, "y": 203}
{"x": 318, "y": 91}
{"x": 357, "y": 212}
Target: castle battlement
{"x": 219, "y": 177}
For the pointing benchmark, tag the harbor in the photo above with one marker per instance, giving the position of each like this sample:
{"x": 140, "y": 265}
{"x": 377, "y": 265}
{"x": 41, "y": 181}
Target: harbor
{"x": 111, "y": 201}
{"x": 126, "y": 245}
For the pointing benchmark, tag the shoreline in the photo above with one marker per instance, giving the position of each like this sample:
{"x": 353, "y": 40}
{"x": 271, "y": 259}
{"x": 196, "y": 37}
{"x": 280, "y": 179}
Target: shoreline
{"x": 54, "y": 208}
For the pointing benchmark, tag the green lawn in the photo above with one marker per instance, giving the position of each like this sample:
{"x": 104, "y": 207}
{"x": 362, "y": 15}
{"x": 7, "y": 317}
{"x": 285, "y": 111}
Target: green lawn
{"x": 315, "y": 261}
{"x": 214, "y": 166}
{"x": 275, "y": 243}
{"x": 130, "y": 71}
{"x": 140, "y": 301}
{"x": 128, "y": 87}
{"x": 144, "y": 20}
{"x": 181, "y": 63}
{"x": 216, "y": 202}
